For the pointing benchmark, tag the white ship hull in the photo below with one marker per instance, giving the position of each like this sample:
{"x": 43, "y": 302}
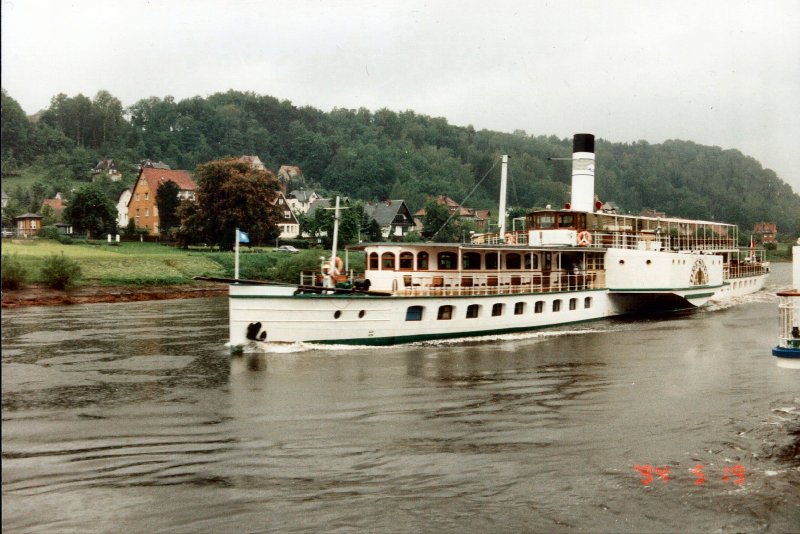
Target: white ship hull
{"x": 386, "y": 320}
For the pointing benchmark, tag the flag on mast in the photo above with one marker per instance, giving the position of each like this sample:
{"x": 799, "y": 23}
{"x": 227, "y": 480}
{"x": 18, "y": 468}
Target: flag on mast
{"x": 240, "y": 237}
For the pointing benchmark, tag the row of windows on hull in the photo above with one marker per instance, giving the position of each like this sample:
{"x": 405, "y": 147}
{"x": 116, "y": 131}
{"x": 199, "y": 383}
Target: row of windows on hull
{"x": 473, "y": 311}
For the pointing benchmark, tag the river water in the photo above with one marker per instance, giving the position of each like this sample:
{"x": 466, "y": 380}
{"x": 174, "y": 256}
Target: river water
{"x": 133, "y": 417}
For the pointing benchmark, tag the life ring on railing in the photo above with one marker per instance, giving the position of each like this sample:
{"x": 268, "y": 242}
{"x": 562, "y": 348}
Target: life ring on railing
{"x": 337, "y": 267}
{"x": 510, "y": 240}
{"x": 584, "y": 238}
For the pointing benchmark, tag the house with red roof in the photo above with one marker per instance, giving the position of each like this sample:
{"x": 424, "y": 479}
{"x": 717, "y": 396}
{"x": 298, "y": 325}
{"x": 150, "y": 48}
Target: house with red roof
{"x": 142, "y": 206}
{"x": 480, "y": 218}
{"x": 56, "y": 205}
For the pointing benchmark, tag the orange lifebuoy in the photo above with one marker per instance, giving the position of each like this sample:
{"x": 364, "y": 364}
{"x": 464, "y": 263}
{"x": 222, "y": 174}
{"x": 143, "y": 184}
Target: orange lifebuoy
{"x": 510, "y": 238}
{"x": 584, "y": 238}
{"x": 337, "y": 267}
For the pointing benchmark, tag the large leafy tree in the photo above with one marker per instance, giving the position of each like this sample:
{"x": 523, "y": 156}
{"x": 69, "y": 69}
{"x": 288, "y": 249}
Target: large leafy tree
{"x": 231, "y": 194}
{"x": 167, "y": 201}
{"x": 436, "y": 224}
{"x": 91, "y": 211}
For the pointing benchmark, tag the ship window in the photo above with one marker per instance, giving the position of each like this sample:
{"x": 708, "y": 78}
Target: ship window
{"x": 373, "y": 261}
{"x": 447, "y": 260}
{"x": 587, "y": 302}
{"x": 573, "y": 304}
{"x": 471, "y": 260}
{"x": 519, "y": 308}
{"x": 566, "y": 220}
{"x": 406, "y": 261}
{"x": 387, "y": 261}
{"x": 472, "y": 311}
{"x": 538, "y": 307}
{"x": 361, "y": 314}
{"x": 513, "y": 261}
{"x": 414, "y": 313}
{"x": 557, "y": 305}
{"x": 422, "y": 261}
{"x": 491, "y": 261}
{"x": 545, "y": 221}
{"x": 445, "y": 313}
{"x": 337, "y": 314}
{"x": 497, "y": 309}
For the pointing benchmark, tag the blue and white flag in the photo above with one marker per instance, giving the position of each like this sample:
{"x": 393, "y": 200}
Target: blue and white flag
{"x": 243, "y": 237}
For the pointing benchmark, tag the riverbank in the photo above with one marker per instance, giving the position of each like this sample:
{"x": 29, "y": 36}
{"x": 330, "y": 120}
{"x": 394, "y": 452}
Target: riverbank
{"x": 40, "y": 295}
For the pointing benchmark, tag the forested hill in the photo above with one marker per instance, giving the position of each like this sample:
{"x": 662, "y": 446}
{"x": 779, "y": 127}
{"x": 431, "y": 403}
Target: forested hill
{"x": 374, "y": 155}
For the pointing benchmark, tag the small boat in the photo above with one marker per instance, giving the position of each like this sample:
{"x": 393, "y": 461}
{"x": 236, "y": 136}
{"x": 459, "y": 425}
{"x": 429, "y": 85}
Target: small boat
{"x": 569, "y": 265}
{"x": 788, "y": 348}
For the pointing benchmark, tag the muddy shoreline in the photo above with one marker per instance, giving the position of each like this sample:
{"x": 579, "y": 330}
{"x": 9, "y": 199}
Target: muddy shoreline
{"x": 36, "y": 295}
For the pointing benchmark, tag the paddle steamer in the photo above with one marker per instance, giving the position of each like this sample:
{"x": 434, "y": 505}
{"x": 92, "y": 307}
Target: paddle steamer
{"x": 569, "y": 265}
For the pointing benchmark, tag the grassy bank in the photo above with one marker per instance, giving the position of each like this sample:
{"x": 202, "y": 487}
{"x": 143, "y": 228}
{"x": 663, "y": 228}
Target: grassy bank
{"x": 143, "y": 264}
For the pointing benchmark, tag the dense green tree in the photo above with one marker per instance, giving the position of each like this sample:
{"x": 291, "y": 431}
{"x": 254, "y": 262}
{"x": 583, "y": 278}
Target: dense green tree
{"x": 231, "y": 194}
{"x": 438, "y": 225}
{"x": 91, "y": 211}
{"x": 168, "y": 201}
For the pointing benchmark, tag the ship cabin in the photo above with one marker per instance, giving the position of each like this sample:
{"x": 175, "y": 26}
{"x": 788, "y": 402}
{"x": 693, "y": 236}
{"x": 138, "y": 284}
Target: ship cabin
{"x": 454, "y": 269}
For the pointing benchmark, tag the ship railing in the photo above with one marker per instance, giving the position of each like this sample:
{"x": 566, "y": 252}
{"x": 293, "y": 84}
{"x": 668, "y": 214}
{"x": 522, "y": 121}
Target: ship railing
{"x": 736, "y": 269}
{"x": 499, "y": 284}
{"x": 625, "y": 240}
{"x": 659, "y": 241}
{"x": 789, "y": 319}
{"x": 510, "y": 238}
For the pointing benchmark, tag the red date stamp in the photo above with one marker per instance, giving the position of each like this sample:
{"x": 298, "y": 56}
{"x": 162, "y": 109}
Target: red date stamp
{"x": 650, "y": 474}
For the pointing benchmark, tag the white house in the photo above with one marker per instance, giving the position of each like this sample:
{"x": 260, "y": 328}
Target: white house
{"x": 300, "y": 201}
{"x": 289, "y": 225}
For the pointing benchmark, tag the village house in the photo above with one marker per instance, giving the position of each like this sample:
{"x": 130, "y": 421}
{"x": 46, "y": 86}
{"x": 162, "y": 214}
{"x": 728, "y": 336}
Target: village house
{"x": 479, "y": 218}
{"x": 301, "y": 201}
{"x": 28, "y": 225}
{"x": 288, "y": 174}
{"x": 142, "y": 205}
{"x": 106, "y": 168}
{"x": 254, "y": 161}
{"x": 148, "y": 164}
{"x": 393, "y": 217}
{"x": 289, "y": 225}
{"x": 56, "y": 205}
{"x": 766, "y": 231}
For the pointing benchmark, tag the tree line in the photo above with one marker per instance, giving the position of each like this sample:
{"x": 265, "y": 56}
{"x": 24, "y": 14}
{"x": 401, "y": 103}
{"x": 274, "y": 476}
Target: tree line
{"x": 377, "y": 155}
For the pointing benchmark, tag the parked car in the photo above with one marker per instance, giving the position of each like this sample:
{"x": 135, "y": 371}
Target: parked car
{"x": 8, "y": 233}
{"x": 287, "y": 248}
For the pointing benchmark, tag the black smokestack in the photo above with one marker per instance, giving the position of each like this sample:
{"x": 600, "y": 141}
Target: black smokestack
{"x": 583, "y": 143}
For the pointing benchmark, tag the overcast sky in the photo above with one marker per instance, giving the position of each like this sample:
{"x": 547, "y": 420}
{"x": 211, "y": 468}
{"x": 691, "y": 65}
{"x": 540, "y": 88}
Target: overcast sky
{"x": 723, "y": 73}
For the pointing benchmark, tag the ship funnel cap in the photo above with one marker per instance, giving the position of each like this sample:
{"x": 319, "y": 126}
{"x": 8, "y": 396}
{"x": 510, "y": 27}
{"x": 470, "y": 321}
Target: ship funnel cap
{"x": 583, "y": 142}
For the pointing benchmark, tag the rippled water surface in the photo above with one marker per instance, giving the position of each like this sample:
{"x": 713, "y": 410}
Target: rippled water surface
{"x": 133, "y": 417}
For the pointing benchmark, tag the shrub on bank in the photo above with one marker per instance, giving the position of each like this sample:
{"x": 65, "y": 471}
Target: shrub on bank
{"x": 48, "y": 232}
{"x": 60, "y": 272}
{"x": 13, "y": 272}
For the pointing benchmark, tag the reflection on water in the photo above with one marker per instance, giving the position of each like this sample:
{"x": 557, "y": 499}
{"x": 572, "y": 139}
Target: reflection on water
{"x": 134, "y": 417}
